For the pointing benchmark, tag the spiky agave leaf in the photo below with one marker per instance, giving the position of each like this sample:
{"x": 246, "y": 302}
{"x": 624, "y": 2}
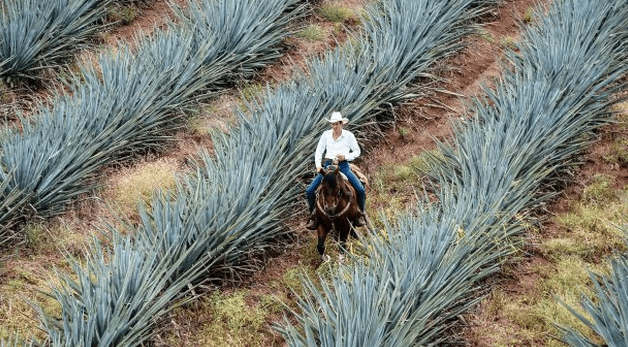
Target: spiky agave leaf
{"x": 401, "y": 41}
{"x": 608, "y": 309}
{"x": 421, "y": 276}
{"x": 538, "y": 107}
{"x": 271, "y": 141}
{"x": 237, "y": 198}
{"x": 10, "y": 199}
{"x": 35, "y": 34}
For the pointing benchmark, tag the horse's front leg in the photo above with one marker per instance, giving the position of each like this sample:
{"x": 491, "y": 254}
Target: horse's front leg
{"x": 343, "y": 228}
{"x": 320, "y": 247}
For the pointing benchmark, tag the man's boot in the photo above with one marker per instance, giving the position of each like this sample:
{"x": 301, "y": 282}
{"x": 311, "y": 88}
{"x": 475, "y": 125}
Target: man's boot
{"x": 361, "y": 220}
{"x": 312, "y": 221}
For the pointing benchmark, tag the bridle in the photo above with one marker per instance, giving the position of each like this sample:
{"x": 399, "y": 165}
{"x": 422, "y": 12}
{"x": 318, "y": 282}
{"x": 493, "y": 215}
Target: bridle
{"x": 336, "y": 215}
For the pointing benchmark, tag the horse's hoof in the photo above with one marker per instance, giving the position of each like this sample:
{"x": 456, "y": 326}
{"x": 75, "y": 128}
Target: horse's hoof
{"x": 325, "y": 258}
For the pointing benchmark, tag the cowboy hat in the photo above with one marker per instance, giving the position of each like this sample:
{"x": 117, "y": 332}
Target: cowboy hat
{"x": 337, "y": 117}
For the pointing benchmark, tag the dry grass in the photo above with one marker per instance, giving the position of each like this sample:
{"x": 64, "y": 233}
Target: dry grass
{"x": 138, "y": 184}
{"x": 22, "y": 281}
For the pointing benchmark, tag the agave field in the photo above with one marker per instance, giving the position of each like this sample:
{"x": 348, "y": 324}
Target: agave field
{"x": 422, "y": 270}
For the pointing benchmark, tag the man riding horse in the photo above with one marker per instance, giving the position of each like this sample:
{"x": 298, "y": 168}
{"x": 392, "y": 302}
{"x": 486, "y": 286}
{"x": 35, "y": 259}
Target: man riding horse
{"x": 340, "y": 145}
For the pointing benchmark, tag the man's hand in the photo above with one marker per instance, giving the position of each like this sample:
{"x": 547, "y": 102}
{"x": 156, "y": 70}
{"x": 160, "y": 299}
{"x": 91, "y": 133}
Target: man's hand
{"x": 340, "y": 157}
{"x": 318, "y": 169}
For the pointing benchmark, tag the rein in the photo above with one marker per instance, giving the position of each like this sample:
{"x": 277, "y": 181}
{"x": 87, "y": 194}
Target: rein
{"x": 344, "y": 210}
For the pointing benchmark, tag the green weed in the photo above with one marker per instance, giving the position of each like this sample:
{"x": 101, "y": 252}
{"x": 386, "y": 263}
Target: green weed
{"x": 403, "y": 131}
{"x": 486, "y": 36}
{"x": 421, "y": 164}
{"x": 508, "y": 42}
{"x": 618, "y": 152}
{"x": 196, "y": 125}
{"x": 600, "y": 191}
{"x": 527, "y": 16}
{"x": 588, "y": 234}
{"x": 17, "y": 315}
{"x": 4, "y": 93}
{"x": 292, "y": 279}
{"x": 391, "y": 187}
{"x": 336, "y": 14}
{"x": 229, "y": 320}
{"x": 590, "y": 230}
{"x": 211, "y": 108}
{"x": 125, "y": 15}
{"x": 34, "y": 233}
{"x": 70, "y": 73}
{"x": 312, "y": 33}
{"x": 251, "y": 91}
{"x": 394, "y": 188}
{"x": 533, "y": 312}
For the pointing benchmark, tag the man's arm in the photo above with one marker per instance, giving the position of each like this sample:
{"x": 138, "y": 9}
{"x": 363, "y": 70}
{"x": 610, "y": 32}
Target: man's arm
{"x": 354, "y": 148}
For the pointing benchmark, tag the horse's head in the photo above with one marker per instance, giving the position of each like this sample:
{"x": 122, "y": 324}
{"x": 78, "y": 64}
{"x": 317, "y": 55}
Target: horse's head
{"x": 333, "y": 190}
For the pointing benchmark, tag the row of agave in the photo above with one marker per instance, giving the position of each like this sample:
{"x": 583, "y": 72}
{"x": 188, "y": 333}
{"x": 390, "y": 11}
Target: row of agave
{"x": 133, "y": 100}
{"x": 235, "y": 202}
{"x": 36, "y": 34}
{"x": 502, "y": 161}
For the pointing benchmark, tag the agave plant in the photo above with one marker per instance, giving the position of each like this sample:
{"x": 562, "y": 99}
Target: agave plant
{"x": 124, "y": 289}
{"x": 38, "y": 34}
{"x": 9, "y": 199}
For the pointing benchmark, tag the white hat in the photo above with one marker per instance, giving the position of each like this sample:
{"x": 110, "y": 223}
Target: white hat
{"x": 337, "y": 117}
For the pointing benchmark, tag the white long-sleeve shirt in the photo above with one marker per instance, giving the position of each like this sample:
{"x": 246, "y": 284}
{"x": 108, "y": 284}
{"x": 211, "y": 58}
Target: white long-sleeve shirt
{"x": 345, "y": 144}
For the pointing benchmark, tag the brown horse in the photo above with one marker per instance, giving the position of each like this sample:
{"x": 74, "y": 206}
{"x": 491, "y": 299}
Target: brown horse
{"x": 336, "y": 207}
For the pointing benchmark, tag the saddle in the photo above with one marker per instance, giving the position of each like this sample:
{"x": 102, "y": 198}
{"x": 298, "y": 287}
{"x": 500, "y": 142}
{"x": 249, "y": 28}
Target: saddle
{"x": 361, "y": 176}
